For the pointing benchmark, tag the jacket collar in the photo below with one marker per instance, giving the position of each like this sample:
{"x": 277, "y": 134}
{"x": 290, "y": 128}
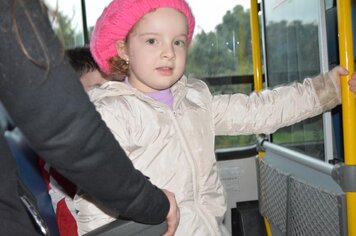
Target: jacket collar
{"x": 115, "y": 88}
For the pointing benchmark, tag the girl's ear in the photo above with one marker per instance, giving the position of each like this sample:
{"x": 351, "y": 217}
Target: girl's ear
{"x": 121, "y": 49}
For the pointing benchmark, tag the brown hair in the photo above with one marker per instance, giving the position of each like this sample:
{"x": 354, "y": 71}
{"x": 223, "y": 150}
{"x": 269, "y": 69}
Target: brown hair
{"x": 118, "y": 66}
{"x": 47, "y": 63}
{"x": 35, "y": 30}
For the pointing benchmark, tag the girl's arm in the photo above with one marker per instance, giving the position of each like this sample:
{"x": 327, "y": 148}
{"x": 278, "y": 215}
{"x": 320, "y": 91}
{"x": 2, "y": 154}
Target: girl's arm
{"x": 269, "y": 110}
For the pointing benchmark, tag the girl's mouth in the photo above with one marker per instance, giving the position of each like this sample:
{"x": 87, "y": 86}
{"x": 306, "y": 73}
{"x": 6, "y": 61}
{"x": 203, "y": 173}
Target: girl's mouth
{"x": 165, "y": 71}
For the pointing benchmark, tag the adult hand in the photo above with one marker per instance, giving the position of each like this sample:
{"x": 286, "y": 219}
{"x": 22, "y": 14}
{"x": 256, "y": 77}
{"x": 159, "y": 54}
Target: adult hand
{"x": 173, "y": 214}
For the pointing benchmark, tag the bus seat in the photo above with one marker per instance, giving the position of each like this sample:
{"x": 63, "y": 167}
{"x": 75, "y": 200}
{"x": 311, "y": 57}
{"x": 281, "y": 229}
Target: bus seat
{"x": 30, "y": 173}
{"x": 5, "y": 121}
{"x": 298, "y": 199}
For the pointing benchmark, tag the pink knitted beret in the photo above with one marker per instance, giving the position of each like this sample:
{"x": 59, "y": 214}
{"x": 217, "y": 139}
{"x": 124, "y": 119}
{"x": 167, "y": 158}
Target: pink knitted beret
{"x": 118, "y": 19}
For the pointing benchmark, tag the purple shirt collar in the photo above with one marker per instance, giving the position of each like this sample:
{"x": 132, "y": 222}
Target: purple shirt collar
{"x": 164, "y": 96}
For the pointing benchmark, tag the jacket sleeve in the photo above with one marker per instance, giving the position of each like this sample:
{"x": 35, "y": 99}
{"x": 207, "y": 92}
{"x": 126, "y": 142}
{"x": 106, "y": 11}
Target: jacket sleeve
{"x": 47, "y": 102}
{"x": 269, "y": 110}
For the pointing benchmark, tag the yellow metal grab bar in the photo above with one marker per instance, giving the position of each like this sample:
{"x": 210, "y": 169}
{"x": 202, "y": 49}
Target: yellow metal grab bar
{"x": 348, "y": 101}
{"x": 257, "y": 67}
{"x": 256, "y": 49}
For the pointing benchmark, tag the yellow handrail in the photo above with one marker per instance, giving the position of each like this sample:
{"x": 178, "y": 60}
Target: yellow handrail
{"x": 256, "y": 49}
{"x": 348, "y": 101}
{"x": 257, "y": 66}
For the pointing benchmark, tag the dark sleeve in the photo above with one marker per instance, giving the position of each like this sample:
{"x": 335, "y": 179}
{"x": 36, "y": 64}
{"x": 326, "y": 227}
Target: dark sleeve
{"x": 47, "y": 102}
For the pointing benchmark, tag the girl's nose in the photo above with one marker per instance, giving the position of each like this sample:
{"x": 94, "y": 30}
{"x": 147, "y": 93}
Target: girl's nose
{"x": 168, "y": 52}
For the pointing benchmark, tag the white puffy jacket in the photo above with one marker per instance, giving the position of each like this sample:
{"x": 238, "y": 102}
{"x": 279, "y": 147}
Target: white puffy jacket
{"x": 175, "y": 147}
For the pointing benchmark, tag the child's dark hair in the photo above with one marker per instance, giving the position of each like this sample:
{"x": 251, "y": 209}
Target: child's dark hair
{"x": 81, "y": 60}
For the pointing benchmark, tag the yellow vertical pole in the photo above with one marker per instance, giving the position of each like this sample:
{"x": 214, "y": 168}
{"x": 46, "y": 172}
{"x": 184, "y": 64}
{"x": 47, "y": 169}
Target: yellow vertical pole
{"x": 257, "y": 66}
{"x": 256, "y": 49}
{"x": 348, "y": 101}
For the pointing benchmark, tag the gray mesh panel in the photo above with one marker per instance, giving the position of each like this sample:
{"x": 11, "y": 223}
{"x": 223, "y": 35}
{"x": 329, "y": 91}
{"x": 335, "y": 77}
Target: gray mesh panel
{"x": 312, "y": 211}
{"x": 273, "y": 195}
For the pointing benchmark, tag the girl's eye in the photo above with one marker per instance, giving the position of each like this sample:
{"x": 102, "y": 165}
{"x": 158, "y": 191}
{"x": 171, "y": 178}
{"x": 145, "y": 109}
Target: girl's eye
{"x": 151, "y": 41}
{"x": 179, "y": 43}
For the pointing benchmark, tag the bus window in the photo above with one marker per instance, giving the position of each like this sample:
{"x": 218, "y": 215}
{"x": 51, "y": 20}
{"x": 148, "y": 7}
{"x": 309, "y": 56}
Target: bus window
{"x": 69, "y": 19}
{"x": 66, "y": 19}
{"x": 292, "y": 53}
{"x": 220, "y": 53}
{"x": 93, "y": 11}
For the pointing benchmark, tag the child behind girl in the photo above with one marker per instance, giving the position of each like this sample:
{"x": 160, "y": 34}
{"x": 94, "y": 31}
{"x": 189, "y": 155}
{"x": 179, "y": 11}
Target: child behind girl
{"x": 82, "y": 61}
{"x": 167, "y": 122}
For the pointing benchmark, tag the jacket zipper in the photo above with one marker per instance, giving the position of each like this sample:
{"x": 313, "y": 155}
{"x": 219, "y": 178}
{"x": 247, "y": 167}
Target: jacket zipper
{"x": 193, "y": 165}
{"x": 191, "y": 161}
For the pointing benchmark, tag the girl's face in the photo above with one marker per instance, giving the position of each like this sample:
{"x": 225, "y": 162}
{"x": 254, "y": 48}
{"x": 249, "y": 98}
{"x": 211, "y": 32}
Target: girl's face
{"x": 156, "y": 50}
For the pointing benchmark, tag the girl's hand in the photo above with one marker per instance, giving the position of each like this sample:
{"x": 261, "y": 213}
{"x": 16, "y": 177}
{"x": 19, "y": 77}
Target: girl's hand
{"x": 339, "y": 71}
{"x": 352, "y": 83}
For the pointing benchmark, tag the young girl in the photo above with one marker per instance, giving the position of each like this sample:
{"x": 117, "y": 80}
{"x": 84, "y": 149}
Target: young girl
{"x": 166, "y": 122}
{"x": 61, "y": 124}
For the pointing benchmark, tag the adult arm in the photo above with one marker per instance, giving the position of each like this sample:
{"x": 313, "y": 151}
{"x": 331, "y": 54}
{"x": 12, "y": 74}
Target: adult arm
{"x": 46, "y": 101}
